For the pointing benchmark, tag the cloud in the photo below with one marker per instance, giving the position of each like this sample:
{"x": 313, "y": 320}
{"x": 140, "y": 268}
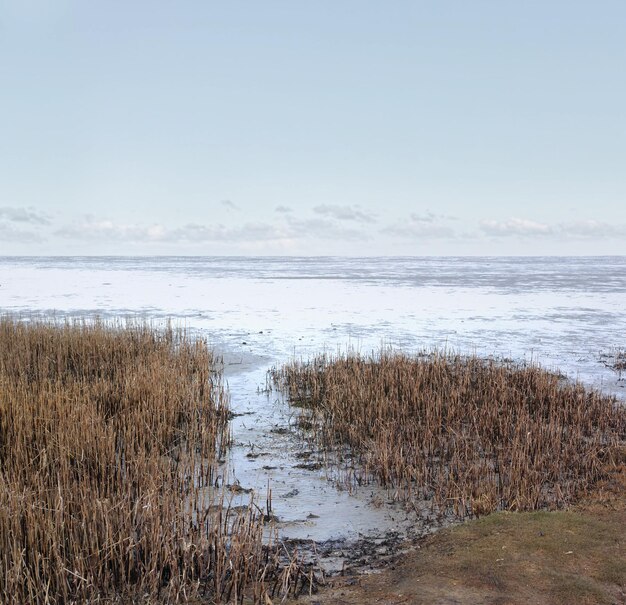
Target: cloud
{"x": 92, "y": 229}
{"x": 283, "y": 209}
{"x": 515, "y": 227}
{"x": 230, "y": 205}
{"x": 584, "y": 229}
{"x": 11, "y": 233}
{"x": 249, "y": 232}
{"x": 431, "y": 217}
{"x": 289, "y": 229}
{"x": 320, "y": 228}
{"x": 344, "y": 213}
{"x": 24, "y": 215}
{"x": 592, "y": 229}
{"x": 428, "y": 226}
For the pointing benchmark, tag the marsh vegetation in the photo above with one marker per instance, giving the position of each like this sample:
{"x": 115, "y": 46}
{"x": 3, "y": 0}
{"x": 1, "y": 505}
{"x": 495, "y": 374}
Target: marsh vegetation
{"x": 469, "y": 435}
{"x": 109, "y": 436}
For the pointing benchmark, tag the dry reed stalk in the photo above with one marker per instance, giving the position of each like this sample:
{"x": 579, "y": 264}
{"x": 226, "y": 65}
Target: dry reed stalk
{"x": 472, "y": 435}
{"x": 108, "y": 438}
{"x": 616, "y": 360}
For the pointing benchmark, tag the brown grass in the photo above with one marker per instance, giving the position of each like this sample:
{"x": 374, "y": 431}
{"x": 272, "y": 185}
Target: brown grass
{"x": 471, "y": 435}
{"x": 108, "y": 438}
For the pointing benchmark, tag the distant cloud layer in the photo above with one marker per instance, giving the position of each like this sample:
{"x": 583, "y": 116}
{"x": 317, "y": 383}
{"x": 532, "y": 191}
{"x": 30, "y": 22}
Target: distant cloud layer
{"x": 13, "y": 234}
{"x": 431, "y": 217}
{"x": 298, "y": 230}
{"x": 289, "y": 230}
{"x": 422, "y": 226}
{"x": 24, "y": 215}
{"x": 593, "y": 229}
{"x": 344, "y": 213}
{"x": 588, "y": 229}
{"x": 515, "y": 226}
{"x": 91, "y": 229}
{"x": 248, "y": 232}
{"x": 13, "y": 221}
{"x": 320, "y": 228}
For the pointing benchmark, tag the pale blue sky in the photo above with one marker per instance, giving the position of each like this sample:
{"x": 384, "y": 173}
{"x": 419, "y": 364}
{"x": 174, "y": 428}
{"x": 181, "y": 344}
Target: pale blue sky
{"x": 325, "y": 127}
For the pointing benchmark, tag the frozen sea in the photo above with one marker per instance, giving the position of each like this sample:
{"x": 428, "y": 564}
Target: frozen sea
{"x": 563, "y": 312}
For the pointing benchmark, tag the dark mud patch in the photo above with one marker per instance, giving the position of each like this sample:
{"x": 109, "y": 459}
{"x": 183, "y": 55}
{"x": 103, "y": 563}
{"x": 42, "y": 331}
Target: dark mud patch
{"x": 255, "y": 455}
{"x": 281, "y": 430}
{"x": 341, "y": 557}
{"x": 232, "y": 414}
{"x": 310, "y": 466}
{"x": 235, "y": 488}
{"x": 304, "y": 455}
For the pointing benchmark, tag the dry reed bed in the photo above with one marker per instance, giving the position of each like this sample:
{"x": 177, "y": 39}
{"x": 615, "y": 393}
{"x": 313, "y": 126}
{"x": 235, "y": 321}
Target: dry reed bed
{"x": 471, "y": 435}
{"x": 108, "y": 436}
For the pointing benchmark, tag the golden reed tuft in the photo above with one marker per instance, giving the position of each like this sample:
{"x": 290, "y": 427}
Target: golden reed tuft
{"x": 108, "y": 438}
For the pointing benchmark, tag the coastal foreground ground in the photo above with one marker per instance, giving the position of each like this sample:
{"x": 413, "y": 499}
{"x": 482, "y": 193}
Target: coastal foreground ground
{"x": 524, "y": 540}
{"x": 544, "y": 558}
{"x": 112, "y": 447}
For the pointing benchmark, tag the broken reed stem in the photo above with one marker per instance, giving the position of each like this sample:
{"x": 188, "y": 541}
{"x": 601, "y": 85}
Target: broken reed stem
{"x": 108, "y": 439}
{"x": 469, "y": 434}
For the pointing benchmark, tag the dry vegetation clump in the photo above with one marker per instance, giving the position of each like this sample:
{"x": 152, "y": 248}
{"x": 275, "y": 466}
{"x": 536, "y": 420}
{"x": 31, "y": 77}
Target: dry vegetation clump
{"x": 616, "y": 360}
{"x": 108, "y": 438}
{"x": 471, "y": 435}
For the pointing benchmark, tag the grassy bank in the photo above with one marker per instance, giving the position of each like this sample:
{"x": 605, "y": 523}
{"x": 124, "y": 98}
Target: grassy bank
{"x": 472, "y": 436}
{"x": 108, "y": 439}
{"x": 544, "y": 558}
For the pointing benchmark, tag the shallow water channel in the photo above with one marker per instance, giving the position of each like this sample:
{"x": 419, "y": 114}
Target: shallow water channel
{"x": 333, "y": 523}
{"x": 327, "y": 520}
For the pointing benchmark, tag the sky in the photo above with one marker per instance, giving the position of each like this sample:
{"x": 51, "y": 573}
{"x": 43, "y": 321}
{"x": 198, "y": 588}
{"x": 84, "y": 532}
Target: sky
{"x": 343, "y": 127}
